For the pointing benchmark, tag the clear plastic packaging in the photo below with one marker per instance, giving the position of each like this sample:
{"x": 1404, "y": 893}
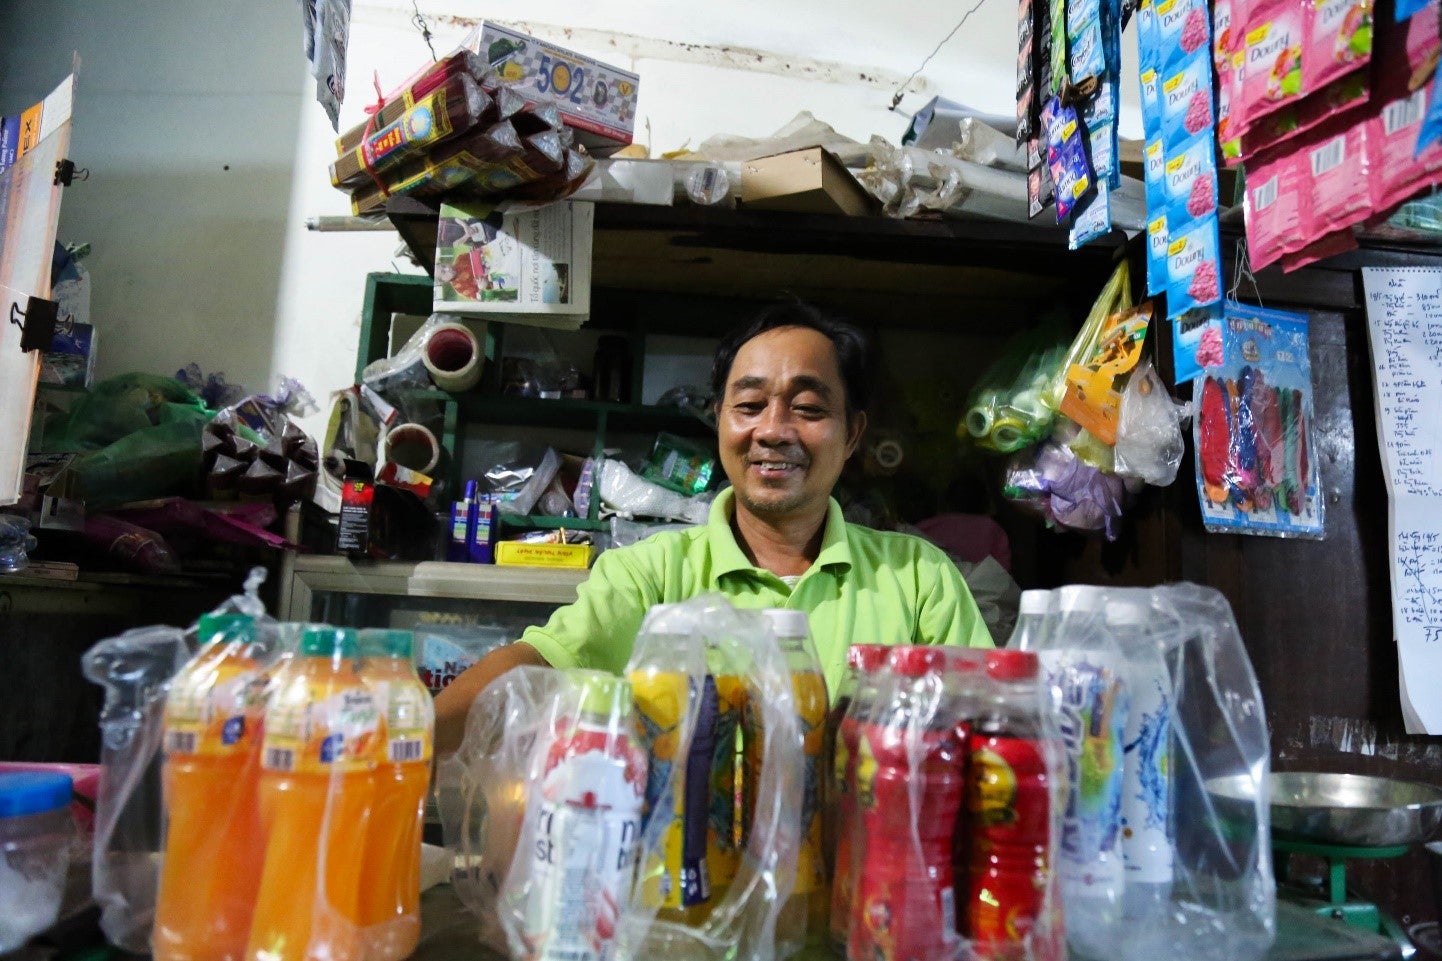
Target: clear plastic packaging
{"x": 626, "y": 493}
{"x": 501, "y": 821}
{"x": 1156, "y": 701}
{"x": 1149, "y": 430}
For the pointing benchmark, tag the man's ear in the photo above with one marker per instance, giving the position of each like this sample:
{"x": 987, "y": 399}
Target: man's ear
{"x": 855, "y": 427}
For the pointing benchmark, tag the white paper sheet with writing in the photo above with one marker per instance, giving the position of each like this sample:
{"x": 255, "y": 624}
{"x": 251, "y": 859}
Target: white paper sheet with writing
{"x": 1404, "y": 323}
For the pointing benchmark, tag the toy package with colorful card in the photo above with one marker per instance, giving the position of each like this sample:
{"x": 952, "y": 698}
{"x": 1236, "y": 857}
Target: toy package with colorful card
{"x": 1093, "y": 395}
{"x": 1256, "y": 469}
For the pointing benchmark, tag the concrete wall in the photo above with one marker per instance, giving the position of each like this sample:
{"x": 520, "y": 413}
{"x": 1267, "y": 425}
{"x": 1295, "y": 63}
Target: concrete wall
{"x": 208, "y": 153}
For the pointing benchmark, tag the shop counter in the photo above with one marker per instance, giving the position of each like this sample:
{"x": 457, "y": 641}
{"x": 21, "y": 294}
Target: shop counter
{"x": 448, "y": 933}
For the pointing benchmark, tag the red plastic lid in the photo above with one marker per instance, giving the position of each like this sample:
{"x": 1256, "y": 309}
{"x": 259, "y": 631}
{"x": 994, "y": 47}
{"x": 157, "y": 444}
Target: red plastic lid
{"x": 916, "y": 660}
{"x": 1011, "y": 665}
{"x": 965, "y": 660}
{"x": 867, "y": 658}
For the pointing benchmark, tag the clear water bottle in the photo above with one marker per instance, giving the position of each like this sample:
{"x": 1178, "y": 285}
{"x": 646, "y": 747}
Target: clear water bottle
{"x": 1087, "y": 680}
{"x": 1146, "y": 778}
{"x": 1031, "y": 620}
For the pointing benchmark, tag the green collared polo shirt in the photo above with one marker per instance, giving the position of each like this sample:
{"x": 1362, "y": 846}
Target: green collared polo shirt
{"x": 865, "y": 587}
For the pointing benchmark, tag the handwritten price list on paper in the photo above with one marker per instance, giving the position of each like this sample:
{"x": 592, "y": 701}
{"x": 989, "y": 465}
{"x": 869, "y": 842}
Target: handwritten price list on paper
{"x": 1404, "y": 321}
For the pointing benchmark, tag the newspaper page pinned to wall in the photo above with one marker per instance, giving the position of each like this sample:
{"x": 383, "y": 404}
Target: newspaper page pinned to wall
{"x": 29, "y": 213}
{"x": 1404, "y": 324}
{"x": 525, "y": 267}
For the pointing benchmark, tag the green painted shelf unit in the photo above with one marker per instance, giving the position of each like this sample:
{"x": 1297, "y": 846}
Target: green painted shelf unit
{"x": 388, "y": 294}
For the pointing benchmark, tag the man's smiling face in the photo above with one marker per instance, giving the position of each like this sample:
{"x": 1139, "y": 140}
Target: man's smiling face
{"x": 783, "y": 426}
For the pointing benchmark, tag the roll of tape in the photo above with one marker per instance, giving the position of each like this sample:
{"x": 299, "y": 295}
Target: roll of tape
{"x": 1008, "y": 434}
{"x": 888, "y": 454}
{"x": 412, "y": 446}
{"x": 453, "y": 357}
{"x": 978, "y": 421}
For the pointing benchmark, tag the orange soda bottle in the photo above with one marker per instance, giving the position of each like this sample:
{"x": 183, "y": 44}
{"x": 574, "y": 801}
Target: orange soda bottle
{"x": 211, "y": 772}
{"x": 316, "y": 791}
{"x": 390, "y": 896}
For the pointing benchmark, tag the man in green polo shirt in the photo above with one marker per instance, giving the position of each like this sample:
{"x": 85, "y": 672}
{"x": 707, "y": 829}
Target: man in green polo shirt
{"x": 791, "y": 393}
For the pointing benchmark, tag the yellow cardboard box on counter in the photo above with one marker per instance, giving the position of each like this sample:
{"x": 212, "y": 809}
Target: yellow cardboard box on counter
{"x": 521, "y": 554}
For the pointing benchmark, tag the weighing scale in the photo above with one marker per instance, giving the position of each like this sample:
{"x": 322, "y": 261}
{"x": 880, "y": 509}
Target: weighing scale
{"x": 1340, "y": 818}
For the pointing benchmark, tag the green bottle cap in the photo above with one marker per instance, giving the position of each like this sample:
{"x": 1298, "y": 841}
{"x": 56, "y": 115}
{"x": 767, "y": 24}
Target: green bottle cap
{"x": 328, "y": 641}
{"x": 383, "y": 642}
{"x": 225, "y": 627}
{"x": 604, "y": 694}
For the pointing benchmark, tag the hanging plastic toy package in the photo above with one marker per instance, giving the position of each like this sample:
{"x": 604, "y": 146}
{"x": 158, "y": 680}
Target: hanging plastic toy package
{"x": 138, "y": 671}
{"x": 1256, "y": 472}
{"x": 1165, "y": 846}
{"x": 583, "y": 810}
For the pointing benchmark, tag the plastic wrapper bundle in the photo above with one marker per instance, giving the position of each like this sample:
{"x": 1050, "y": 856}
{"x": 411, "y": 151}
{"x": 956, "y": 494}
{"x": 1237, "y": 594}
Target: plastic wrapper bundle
{"x": 626, "y": 493}
{"x": 1053, "y": 480}
{"x": 1149, "y": 430}
{"x": 16, "y": 543}
{"x": 1015, "y": 402}
{"x": 269, "y": 415}
{"x": 516, "y": 735}
{"x": 1157, "y": 706}
{"x": 923, "y": 710}
{"x": 135, "y": 670}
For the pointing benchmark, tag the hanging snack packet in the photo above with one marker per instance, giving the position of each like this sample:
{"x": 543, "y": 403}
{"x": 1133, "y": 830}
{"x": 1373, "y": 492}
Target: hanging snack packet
{"x": 1058, "y": 32}
{"x": 1092, "y": 218}
{"x": 1187, "y": 99}
{"x": 1272, "y": 75}
{"x": 1193, "y": 261}
{"x": 1066, "y": 156}
{"x": 1272, "y": 207}
{"x": 1026, "y": 99}
{"x": 1338, "y": 40}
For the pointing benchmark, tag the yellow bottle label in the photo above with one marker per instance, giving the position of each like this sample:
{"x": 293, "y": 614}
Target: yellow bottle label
{"x": 211, "y": 707}
{"x": 318, "y": 728}
{"x": 408, "y": 721}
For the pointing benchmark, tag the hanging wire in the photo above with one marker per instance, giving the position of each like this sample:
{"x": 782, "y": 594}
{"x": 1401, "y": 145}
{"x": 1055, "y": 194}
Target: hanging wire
{"x": 1242, "y": 270}
{"x": 423, "y": 24}
{"x": 901, "y": 90}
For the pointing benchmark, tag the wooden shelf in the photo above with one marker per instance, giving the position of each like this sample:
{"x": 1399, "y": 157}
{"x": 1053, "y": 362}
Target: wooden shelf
{"x": 333, "y": 573}
{"x": 534, "y": 412}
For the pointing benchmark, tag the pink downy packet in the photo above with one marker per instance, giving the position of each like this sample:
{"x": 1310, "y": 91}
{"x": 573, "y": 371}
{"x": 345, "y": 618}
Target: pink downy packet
{"x": 1338, "y": 40}
{"x": 1272, "y": 206}
{"x": 1337, "y": 242}
{"x": 1272, "y": 73}
{"x": 1400, "y": 101}
{"x": 1312, "y": 110}
{"x": 1335, "y": 154}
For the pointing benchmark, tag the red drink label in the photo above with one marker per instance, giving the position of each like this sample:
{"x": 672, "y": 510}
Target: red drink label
{"x": 1009, "y": 810}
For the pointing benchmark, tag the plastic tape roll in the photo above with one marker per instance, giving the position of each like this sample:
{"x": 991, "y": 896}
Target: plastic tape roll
{"x": 1008, "y": 434}
{"x": 412, "y": 446}
{"x": 453, "y": 357}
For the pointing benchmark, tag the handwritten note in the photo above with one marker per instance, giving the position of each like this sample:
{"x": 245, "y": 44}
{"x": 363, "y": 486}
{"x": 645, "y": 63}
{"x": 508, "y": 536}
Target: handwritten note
{"x": 1404, "y": 320}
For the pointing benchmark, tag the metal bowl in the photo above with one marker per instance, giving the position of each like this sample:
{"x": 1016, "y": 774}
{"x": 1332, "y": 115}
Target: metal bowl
{"x": 1341, "y": 808}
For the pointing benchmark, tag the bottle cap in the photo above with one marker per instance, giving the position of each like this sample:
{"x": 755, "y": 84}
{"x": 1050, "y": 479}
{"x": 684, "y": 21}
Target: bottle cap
{"x": 603, "y": 693}
{"x": 232, "y": 626}
{"x": 1007, "y": 665}
{"x": 916, "y": 660}
{"x": 328, "y": 641}
{"x": 867, "y": 658}
{"x": 471, "y": 488}
{"x": 33, "y": 792}
{"x": 965, "y": 660}
{"x": 785, "y": 622}
{"x": 380, "y": 642}
{"x": 1079, "y": 598}
{"x": 1126, "y": 614}
{"x": 1035, "y": 602}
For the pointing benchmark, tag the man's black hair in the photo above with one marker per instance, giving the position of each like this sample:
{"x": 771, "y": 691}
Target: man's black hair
{"x": 849, "y": 342}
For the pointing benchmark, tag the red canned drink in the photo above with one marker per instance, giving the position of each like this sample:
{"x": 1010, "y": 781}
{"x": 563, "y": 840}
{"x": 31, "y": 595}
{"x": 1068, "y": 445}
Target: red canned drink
{"x": 908, "y": 760}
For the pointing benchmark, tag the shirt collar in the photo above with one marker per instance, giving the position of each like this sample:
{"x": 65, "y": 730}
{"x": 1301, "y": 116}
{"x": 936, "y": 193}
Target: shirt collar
{"x": 727, "y": 556}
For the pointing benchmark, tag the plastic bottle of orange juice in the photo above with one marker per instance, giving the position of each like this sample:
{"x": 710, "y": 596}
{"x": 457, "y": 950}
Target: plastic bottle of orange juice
{"x": 212, "y": 768}
{"x": 316, "y": 791}
{"x": 391, "y": 891}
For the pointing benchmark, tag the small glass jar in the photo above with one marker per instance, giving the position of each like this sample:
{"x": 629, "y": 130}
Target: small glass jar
{"x": 35, "y": 836}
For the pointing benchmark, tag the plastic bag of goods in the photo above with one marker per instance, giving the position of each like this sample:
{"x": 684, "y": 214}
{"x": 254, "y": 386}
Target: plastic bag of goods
{"x": 594, "y": 817}
{"x": 1165, "y": 845}
{"x": 303, "y": 772}
{"x": 947, "y": 810}
{"x": 138, "y": 670}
